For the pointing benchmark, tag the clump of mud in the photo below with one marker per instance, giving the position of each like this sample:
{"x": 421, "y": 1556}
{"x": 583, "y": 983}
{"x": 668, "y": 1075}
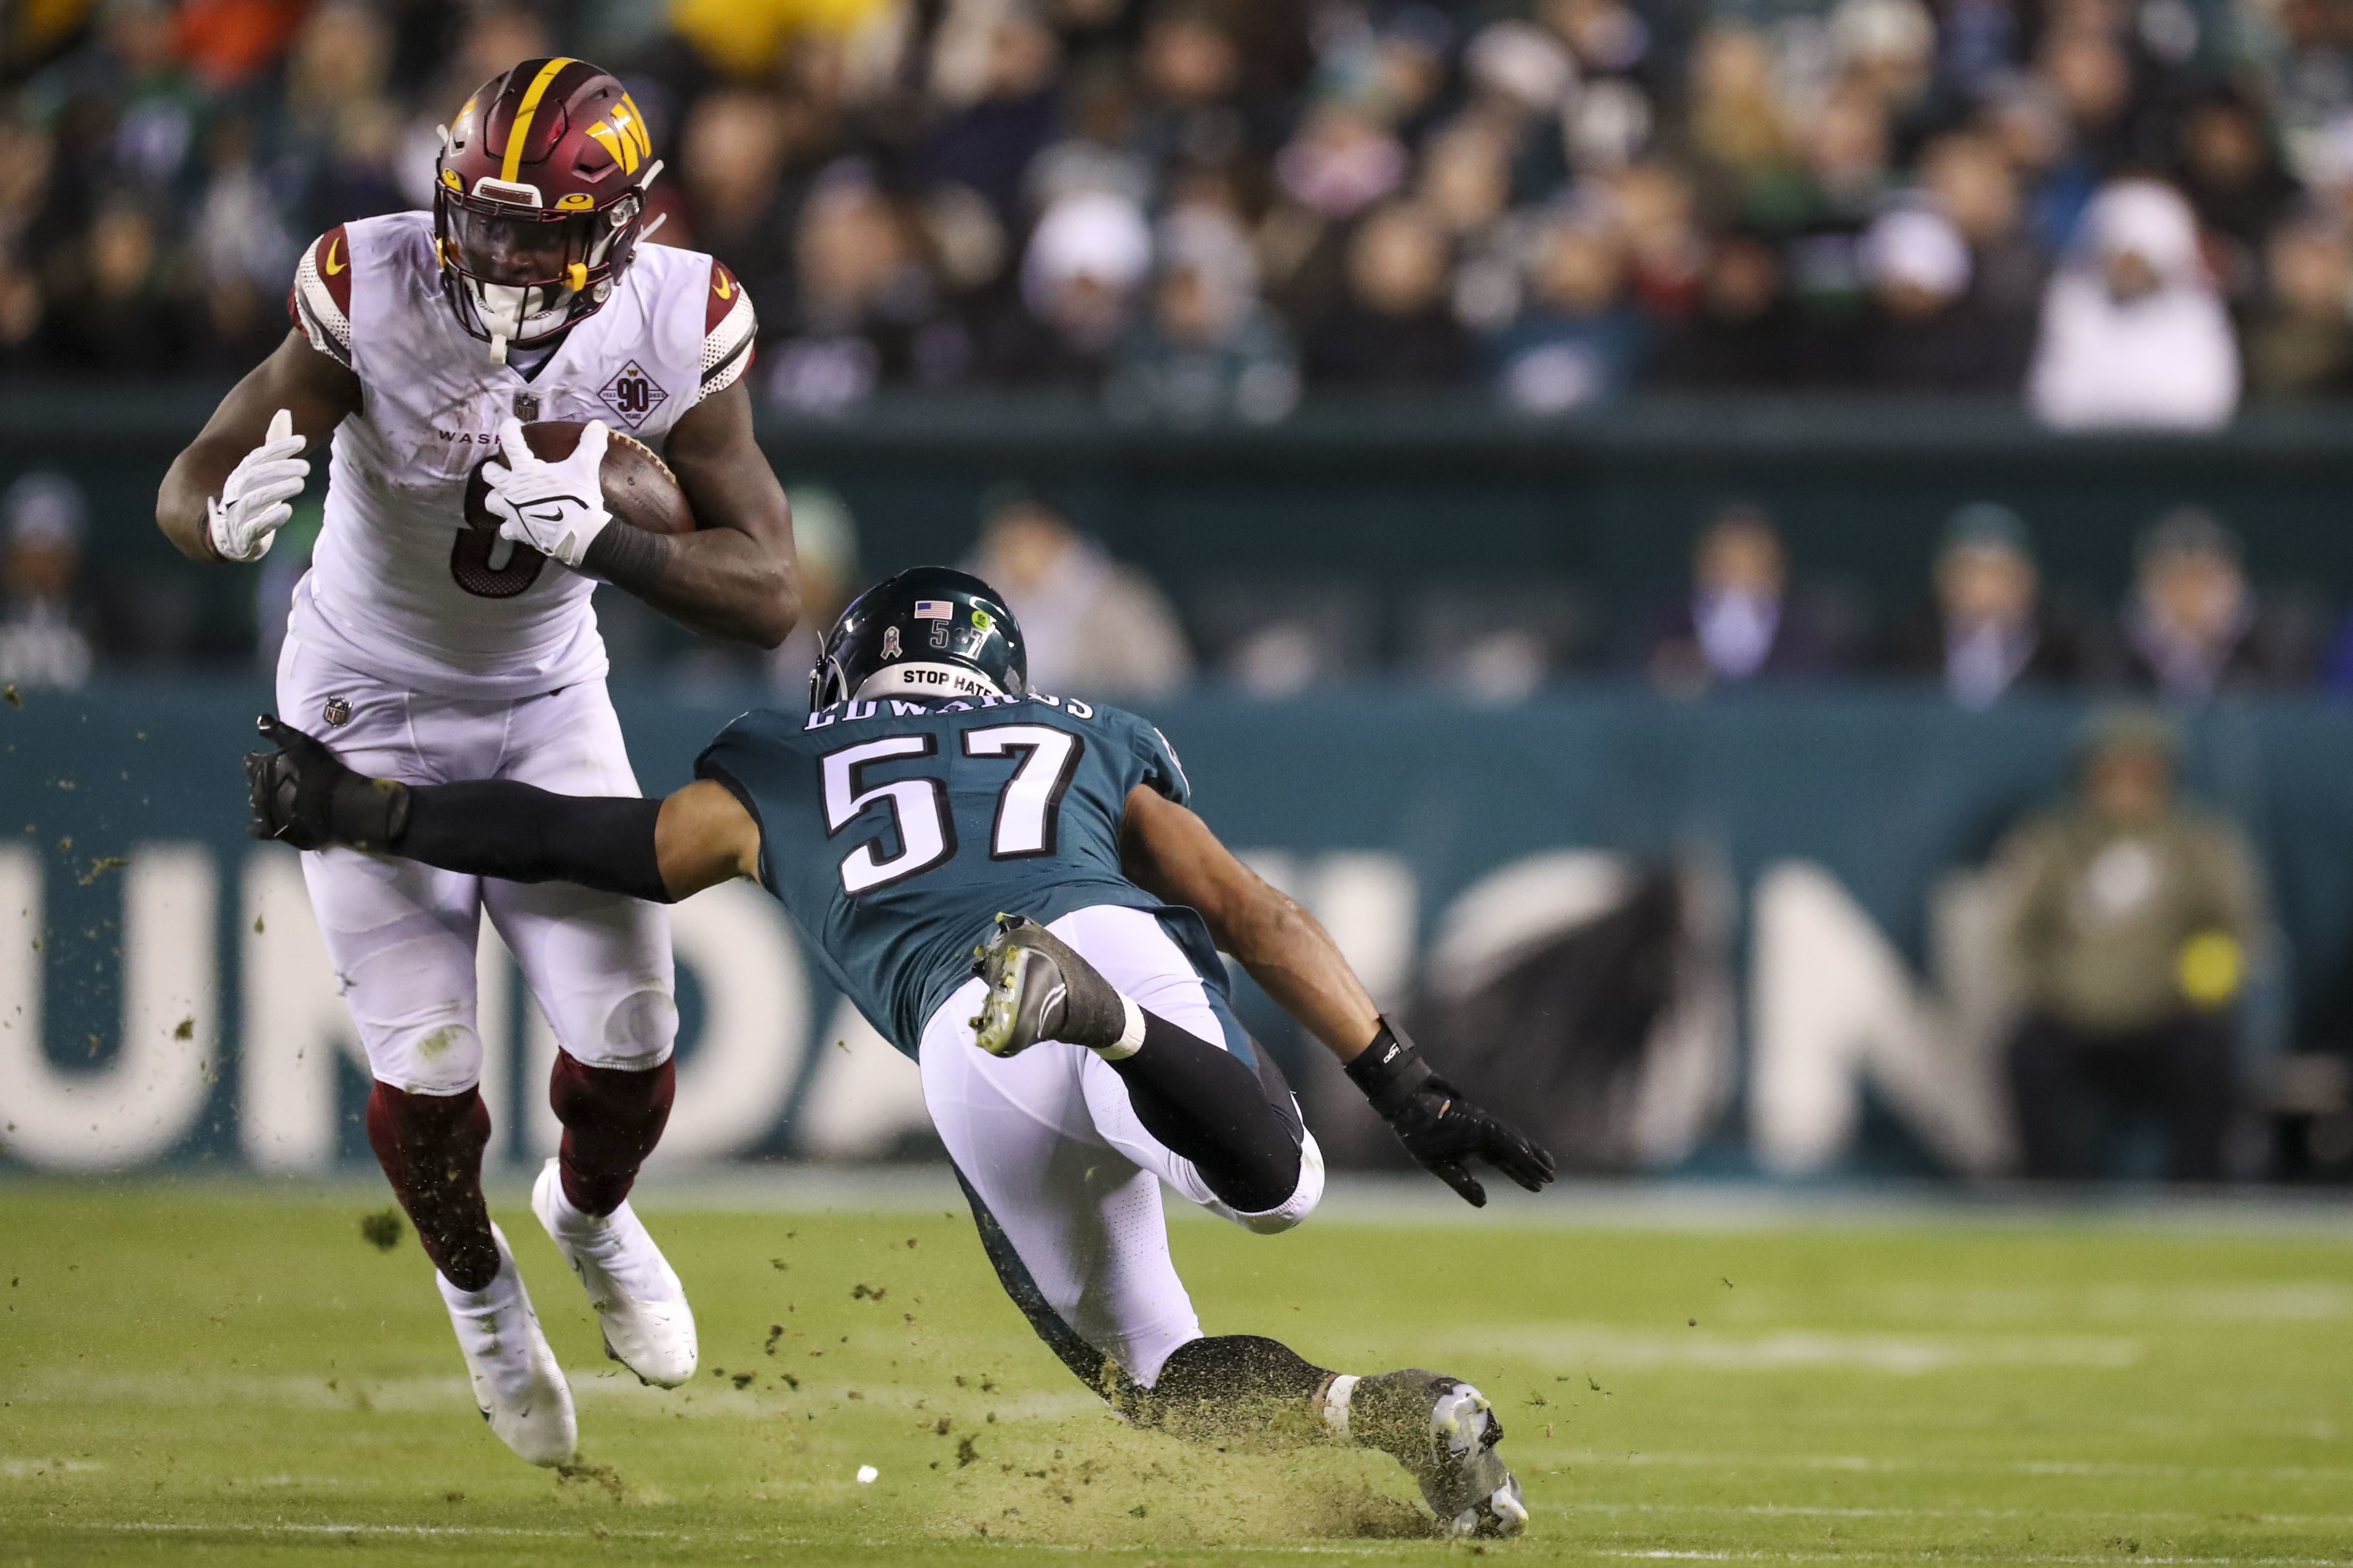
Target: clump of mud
{"x": 381, "y": 1230}
{"x": 1112, "y": 1485}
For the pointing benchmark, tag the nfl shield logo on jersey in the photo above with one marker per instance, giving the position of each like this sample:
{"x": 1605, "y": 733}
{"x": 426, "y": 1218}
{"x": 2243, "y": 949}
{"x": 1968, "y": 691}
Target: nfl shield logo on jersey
{"x": 633, "y": 394}
{"x": 338, "y": 711}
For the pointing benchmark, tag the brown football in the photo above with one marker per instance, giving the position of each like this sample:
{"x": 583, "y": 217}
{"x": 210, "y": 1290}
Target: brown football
{"x": 640, "y": 488}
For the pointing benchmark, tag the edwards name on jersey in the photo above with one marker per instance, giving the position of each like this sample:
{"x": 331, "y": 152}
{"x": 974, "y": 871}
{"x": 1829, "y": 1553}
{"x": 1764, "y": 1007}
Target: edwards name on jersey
{"x": 894, "y": 830}
{"x": 400, "y": 586}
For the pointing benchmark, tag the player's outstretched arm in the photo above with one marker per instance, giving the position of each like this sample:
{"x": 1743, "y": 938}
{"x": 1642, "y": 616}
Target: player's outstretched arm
{"x": 1171, "y": 853}
{"x": 662, "y": 851}
{"x": 238, "y": 467}
{"x": 736, "y": 576}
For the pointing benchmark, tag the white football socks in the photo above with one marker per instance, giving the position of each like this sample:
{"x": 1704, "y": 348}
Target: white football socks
{"x": 619, "y": 1245}
{"x": 1336, "y": 1400}
{"x": 1131, "y": 1033}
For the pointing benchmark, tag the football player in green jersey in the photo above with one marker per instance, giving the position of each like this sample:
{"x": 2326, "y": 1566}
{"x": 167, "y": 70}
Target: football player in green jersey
{"x": 1011, "y": 886}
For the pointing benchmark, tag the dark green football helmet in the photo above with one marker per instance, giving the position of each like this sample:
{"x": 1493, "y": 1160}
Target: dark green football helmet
{"x": 931, "y": 631}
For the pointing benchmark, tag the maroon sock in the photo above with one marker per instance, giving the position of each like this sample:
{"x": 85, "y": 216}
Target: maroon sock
{"x": 430, "y": 1146}
{"x": 612, "y": 1119}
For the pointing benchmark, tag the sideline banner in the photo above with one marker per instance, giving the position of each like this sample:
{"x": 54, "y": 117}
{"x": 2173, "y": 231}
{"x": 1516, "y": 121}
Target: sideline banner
{"x": 164, "y": 995}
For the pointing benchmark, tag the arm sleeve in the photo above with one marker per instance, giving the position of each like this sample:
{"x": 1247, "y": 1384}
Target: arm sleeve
{"x": 518, "y": 834}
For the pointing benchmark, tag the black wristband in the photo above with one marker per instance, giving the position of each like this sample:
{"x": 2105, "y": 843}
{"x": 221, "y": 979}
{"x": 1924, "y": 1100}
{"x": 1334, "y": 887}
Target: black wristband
{"x": 626, "y": 556}
{"x": 1389, "y": 1071}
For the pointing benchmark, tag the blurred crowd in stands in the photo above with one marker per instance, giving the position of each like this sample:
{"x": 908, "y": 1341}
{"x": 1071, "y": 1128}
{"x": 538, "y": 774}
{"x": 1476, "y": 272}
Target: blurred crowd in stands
{"x": 2130, "y": 212}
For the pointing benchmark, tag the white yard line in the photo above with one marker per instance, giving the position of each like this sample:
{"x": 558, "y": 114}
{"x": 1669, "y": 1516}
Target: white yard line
{"x": 1801, "y": 1511}
{"x": 708, "y": 1397}
{"x": 1668, "y": 1554}
{"x": 1859, "y": 1462}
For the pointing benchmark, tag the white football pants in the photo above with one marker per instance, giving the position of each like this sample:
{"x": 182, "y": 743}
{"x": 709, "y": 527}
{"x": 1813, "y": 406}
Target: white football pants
{"x": 402, "y": 936}
{"x": 1051, "y": 1152}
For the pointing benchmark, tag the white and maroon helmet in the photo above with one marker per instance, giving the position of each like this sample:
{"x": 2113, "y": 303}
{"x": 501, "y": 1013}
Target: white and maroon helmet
{"x": 539, "y": 200}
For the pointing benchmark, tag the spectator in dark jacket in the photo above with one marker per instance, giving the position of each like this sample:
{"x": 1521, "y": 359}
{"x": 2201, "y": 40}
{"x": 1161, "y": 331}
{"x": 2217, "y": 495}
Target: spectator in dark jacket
{"x": 2193, "y": 625}
{"x": 1927, "y": 334}
{"x": 1743, "y": 335}
{"x": 1991, "y": 629}
{"x": 1739, "y": 623}
{"x": 1396, "y": 327}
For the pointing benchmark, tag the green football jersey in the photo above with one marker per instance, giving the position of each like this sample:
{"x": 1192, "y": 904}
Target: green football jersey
{"x": 895, "y": 831}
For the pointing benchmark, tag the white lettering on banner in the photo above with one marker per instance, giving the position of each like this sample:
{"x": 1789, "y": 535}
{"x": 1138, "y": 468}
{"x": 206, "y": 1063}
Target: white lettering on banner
{"x": 1831, "y": 1004}
{"x": 144, "y": 1103}
{"x": 733, "y": 1085}
{"x": 296, "y": 1023}
{"x": 1368, "y": 900}
{"x": 866, "y": 1096}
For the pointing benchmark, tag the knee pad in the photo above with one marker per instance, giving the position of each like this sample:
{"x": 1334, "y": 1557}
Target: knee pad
{"x": 636, "y": 1034}
{"x": 442, "y": 1060}
{"x": 1298, "y": 1207}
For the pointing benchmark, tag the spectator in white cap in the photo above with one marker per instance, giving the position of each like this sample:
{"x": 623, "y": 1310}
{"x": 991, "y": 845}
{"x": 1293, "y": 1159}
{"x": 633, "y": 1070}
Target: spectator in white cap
{"x": 40, "y": 646}
{"x": 2133, "y": 334}
{"x": 1206, "y": 350}
{"x": 1087, "y": 257}
{"x": 1928, "y": 337}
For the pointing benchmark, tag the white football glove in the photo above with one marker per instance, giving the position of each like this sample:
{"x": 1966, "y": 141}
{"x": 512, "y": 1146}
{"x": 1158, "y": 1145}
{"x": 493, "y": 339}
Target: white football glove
{"x": 254, "y": 502}
{"x": 555, "y": 508}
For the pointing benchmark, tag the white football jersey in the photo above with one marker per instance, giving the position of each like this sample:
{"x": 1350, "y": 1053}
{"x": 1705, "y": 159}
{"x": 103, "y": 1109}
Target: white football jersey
{"x": 400, "y": 586}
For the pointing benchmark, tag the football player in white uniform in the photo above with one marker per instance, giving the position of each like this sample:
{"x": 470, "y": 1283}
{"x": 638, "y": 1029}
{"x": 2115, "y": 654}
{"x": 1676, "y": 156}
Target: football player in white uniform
{"x": 436, "y": 650}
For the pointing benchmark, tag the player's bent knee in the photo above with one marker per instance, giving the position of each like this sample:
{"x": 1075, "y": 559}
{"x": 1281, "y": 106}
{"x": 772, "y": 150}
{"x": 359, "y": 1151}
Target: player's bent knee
{"x": 1302, "y": 1201}
{"x": 637, "y": 1033}
{"x": 444, "y": 1059}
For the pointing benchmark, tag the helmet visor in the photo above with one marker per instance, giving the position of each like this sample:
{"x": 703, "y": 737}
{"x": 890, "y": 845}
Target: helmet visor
{"x": 523, "y": 249}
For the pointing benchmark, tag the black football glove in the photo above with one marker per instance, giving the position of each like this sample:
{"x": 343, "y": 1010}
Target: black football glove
{"x": 303, "y": 795}
{"x": 1438, "y": 1126}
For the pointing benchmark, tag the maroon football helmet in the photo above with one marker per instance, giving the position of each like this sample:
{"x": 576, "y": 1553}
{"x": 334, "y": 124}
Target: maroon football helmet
{"x": 540, "y": 201}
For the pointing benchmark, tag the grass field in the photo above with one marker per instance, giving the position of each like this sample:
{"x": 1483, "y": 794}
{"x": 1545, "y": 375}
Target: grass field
{"x": 227, "y": 1373}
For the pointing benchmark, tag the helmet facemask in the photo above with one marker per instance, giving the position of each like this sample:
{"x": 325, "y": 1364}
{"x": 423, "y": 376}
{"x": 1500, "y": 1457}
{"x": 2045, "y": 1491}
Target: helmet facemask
{"x": 524, "y": 274}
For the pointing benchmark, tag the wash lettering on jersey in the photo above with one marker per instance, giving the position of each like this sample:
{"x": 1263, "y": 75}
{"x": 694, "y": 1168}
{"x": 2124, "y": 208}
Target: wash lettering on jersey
{"x": 894, "y": 830}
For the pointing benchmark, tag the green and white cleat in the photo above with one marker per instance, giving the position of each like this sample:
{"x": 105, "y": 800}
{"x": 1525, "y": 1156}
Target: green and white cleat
{"x": 1040, "y": 989}
{"x": 518, "y": 1385}
{"x": 640, "y": 1305}
{"x": 1451, "y": 1452}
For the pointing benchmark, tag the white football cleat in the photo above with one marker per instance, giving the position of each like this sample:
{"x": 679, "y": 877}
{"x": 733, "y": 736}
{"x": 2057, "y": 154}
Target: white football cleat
{"x": 517, "y": 1383}
{"x": 649, "y": 1327}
